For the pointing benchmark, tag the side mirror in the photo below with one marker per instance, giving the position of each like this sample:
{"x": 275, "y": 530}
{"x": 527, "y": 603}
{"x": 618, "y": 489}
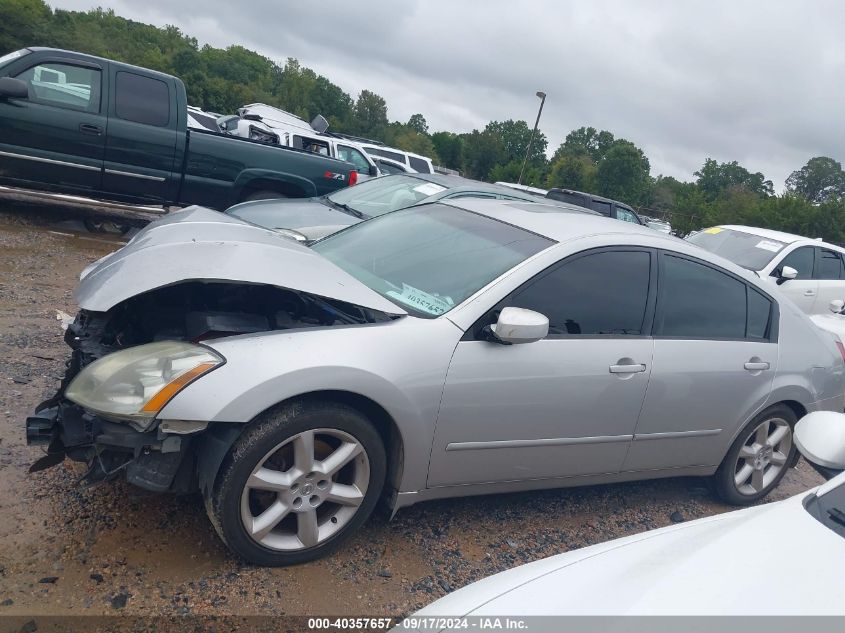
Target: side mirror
{"x": 518, "y": 325}
{"x": 820, "y": 436}
{"x": 319, "y": 123}
{"x": 373, "y": 171}
{"x": 787, "y": 273}
{"x": 836, "y": 306}
{"x": 11, "y": 88}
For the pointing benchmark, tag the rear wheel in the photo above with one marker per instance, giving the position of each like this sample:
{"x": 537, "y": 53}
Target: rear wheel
{"x": 297, "y": 483}
{"x": 758, "y": 458}
{"x": 265, "y": 194}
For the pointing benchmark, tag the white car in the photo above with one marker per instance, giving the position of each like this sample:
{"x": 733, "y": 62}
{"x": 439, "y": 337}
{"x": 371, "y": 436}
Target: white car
{"x": 781, "y": 558}
{"x": 810, "y": 272}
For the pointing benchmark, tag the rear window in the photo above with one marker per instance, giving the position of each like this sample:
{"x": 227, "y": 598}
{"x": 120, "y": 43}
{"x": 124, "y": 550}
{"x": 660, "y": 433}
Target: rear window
{"x": 142, "y": 99}
{"x": 743, "y": 249}
{"x": 388, "y": 154}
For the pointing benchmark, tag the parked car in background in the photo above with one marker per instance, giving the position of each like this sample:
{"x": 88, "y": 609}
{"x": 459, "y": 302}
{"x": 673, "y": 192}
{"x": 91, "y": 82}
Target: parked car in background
{"x": 525, "y": 188}
{"x": 417, "y": 162}
{"x": 810, "y": 272}
{"x": 388, "y": 167}
{"x": 268, "y": 124}
{"x": 293, "y": 385}
{"x": 120, "y": 133}
{"x": 657, "y": 224}
{"x": 200, "y": 120}
{"x": 312, "y": 219}
{"x": 689, "y": 569}
{"x": 607, "y": 207}
{"x": 834, "y": 320}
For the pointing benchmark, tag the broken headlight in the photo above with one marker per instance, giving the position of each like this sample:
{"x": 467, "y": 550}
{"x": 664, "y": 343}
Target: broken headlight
{"x": 134, "y": 384}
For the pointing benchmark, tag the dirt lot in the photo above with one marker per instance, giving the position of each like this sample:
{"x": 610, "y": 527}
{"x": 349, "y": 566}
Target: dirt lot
{"x": 117, "y": 549}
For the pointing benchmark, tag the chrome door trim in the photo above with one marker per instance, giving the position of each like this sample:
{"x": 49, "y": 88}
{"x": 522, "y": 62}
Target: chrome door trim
{"x": 675, "y": 434}
{"x": 550, "y": 441}
{"x": 51, "y": 161}
{"x": 116, "y": 172}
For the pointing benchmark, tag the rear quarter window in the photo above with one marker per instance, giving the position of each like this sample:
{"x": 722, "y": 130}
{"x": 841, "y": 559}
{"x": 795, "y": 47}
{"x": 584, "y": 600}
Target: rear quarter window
{"x": 141, "y": 99}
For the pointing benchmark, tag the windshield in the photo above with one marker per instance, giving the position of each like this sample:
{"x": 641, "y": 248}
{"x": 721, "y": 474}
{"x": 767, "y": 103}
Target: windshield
{"x": 383, "y": 195}
{"x": 9, "y": 57}
{"x": 743, "y": 249}
{"x": 430, "y": 258}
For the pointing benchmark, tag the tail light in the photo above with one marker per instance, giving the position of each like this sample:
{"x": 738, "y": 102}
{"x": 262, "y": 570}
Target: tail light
{"x": 353, "y": 177}
{"x": 841, "y": 350}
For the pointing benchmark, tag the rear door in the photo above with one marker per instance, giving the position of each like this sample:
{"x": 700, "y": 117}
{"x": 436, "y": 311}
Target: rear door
{"x": 715, "y": 357}
{"x": 56, "y": 137}
{"x": 830, "y": 273}
{"x": 804, "y": 288}
{"x": 141, "y": 139}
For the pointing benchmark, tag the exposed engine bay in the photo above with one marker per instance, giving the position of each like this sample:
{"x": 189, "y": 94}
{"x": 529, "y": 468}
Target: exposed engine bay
{"x": 192, "y": 311}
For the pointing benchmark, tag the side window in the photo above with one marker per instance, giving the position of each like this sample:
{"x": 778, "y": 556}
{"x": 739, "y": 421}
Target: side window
{"x": 696, "y": 301}
{"x": 601, "y": 207}
{"x": 64, "y": 86}
{"x": 355, "y": 157}
{"x": 598, "y": 293}
{"x": 625, "y": 215}
{"x": 419, "y": 165}
{"x": 141, "y": 99}
{"x": 800, "y": 259}
{"x": 311, "y": 145}
{"x": 759, "y": 311}
{"x": 829, "y": 265}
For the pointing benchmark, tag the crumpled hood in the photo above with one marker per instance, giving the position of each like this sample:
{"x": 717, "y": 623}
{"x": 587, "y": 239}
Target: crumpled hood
{"x": 749, "y": 562}
{"x": 199, "y": 244}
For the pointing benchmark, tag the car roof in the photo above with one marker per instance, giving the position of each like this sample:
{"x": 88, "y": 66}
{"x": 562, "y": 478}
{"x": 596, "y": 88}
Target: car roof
{"x": 780, "y": 236}
{"x": 95, "y": 58}
{"x": 552, "y": 220}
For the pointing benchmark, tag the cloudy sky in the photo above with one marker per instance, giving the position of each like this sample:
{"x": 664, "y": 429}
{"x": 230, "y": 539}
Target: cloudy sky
{"x": 761, "y": 82}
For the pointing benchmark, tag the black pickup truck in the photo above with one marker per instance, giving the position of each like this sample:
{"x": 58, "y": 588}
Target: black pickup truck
{"x": 73, "y": 123}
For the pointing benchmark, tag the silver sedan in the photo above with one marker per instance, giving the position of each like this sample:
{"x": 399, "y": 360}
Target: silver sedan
{"x": 442, "y": 350}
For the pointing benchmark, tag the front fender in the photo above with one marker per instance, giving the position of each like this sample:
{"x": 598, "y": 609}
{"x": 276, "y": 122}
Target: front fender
{"x": 379, "y": 362}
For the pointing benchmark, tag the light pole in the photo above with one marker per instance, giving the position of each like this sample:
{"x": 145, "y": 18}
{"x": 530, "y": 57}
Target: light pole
{"x": 542, "y": 96}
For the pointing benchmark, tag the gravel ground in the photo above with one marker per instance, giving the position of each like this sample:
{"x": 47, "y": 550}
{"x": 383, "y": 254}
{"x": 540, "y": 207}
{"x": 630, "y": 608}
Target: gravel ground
{"x": 118, "y": 549}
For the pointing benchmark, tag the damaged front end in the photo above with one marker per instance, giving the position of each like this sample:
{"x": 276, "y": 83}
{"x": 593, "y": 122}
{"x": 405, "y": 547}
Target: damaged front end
{"x": 106, "y": 416}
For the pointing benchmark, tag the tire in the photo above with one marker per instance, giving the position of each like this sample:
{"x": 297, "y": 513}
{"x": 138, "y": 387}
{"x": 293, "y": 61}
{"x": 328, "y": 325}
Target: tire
{"x": 264, "y": 194}
{"x": 106, "y": 226}
{"x": 285, "y": 515}
{"x": 752, "y": 469}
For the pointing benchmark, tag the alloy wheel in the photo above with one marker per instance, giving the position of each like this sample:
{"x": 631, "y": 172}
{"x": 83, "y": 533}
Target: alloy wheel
{"x": 763, "y": 456}
{"x": 305, "y": 490}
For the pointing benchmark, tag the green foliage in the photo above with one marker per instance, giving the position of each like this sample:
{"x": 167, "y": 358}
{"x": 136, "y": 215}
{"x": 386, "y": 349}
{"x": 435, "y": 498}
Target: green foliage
{"x": 596, "y": 161}
{"x": 820, "y": 180}
{"x": 714, "y": 179}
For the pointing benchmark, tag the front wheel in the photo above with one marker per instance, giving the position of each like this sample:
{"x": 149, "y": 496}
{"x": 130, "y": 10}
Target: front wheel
{"x": 264, "y": 194}
{"x": 758, "y": 458}
{"x": 298, "y": 482}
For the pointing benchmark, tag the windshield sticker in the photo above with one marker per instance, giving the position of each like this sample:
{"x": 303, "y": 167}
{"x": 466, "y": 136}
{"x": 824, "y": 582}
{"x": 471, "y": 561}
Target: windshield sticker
{"x": 429, "y": 189}
{"x": 713, "y": 231}
{"x": 768, "y": 246}
{"x": 432, "y": 304}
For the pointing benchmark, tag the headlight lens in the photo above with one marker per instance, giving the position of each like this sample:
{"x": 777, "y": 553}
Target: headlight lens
{"x": 134, "y": 384}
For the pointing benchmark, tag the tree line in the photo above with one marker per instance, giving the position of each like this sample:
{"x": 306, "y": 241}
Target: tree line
{"x": 596, "y": 161}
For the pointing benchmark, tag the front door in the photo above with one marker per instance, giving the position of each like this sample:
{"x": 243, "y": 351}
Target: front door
{"x": 56, "y": 136}
{"x": 714, "y": 363}
{"x": 566, "y": 405}
{"x": 804, "y": 288}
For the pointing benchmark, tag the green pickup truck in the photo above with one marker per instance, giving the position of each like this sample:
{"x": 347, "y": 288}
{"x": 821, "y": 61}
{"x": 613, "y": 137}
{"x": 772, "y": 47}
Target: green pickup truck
{"x": 73, "y": 123}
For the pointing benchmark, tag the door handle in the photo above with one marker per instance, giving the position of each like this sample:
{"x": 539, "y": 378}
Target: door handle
{"x": 626, "y": 369}
{"x": 756, "y": 366}
{"x": 87, "y": 128}
{"x": 809, "y": 293}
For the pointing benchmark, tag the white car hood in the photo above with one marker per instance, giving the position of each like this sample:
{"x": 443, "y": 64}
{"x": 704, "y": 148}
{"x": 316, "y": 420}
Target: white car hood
{"x": 201, "y": 244}
{"x": 769, "y": 560}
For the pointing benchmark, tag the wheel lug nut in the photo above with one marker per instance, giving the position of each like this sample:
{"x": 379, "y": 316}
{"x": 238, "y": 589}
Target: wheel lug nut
{"x": 314, "y": 500}
{"x": 323, "y": 484}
